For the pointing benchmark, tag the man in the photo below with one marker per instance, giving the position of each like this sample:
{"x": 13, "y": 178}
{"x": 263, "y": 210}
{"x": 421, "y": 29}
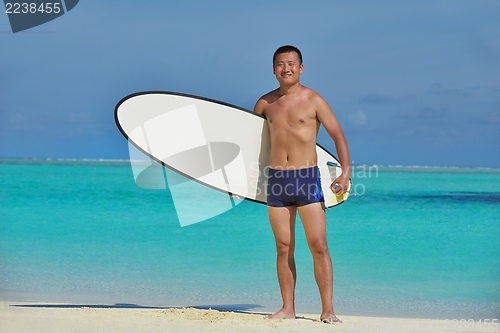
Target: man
{"x": 294, "y": 114}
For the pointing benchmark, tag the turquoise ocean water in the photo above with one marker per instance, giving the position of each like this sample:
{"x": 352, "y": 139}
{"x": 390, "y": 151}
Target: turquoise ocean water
{"x": 415, "y": 241}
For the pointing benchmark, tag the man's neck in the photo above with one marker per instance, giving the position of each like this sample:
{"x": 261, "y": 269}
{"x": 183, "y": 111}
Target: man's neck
{"x": 289, "y": 90}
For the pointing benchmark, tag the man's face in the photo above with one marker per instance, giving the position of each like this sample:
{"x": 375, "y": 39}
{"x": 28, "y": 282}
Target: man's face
{"x": 287, "y": 68}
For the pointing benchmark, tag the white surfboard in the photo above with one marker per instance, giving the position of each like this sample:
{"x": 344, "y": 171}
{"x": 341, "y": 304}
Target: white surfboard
{"x": 219, "y": 145}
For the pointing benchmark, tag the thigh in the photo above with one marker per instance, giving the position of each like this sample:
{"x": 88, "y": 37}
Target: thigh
{"x": 282, "y": 221}
{"x": 313, "y": 219}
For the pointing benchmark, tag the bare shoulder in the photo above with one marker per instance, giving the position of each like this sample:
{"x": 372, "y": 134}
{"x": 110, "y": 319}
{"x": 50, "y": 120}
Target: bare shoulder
{"x": 265, "y": 100}
{"x": 316, "y": 100}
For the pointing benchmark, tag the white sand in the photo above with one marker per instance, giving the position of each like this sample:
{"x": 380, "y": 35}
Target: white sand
{"x": 14, "y": 318}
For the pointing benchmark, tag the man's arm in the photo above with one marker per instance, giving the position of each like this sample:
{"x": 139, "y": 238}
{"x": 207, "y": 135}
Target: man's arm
{"x": 259, "y": 106}
{"x": 332, "y": 127}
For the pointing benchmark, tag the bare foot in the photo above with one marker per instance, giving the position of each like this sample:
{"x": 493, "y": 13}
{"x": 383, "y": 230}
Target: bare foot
{"x": 281, "y": 314}
{"x": 330, "y": 319}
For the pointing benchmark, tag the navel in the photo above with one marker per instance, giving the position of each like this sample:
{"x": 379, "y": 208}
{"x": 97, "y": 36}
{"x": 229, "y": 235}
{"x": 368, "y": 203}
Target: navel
{"x": 301, "y": 120}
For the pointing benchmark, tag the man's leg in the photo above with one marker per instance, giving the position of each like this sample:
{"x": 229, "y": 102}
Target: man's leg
{"x": 314, "y": 220}
{"x": 282, "y": 221}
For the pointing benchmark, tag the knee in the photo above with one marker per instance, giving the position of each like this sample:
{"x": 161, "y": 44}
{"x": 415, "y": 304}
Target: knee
{"x": 283, "y": 248}
{"x": 318, "y": 247}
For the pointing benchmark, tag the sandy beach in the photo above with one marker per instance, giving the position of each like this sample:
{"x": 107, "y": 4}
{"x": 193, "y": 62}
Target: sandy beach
{"x": 54, "y": 318}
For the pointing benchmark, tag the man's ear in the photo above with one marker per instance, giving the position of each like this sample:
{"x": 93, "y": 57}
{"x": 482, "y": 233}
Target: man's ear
{"x": 301, "y": 68}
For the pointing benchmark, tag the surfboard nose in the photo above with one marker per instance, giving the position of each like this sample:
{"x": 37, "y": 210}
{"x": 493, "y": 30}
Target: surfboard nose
{"x": 176, "y": 138}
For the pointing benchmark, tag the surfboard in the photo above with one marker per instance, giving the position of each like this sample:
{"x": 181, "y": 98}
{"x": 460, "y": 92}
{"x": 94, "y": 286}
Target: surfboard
{"x": 219, "y": 145}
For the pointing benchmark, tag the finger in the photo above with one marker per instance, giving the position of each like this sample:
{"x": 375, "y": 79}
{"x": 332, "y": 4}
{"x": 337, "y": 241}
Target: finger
{"x": 340, "y": 189}
{"x": 336, "y": 188}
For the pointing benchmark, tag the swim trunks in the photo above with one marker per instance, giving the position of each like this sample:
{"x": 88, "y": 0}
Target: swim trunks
{"x": 294, "y": 187}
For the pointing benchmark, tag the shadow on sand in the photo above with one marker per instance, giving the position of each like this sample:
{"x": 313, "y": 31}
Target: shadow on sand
{"x": 220, "y": 307}
{"x": 238, "y": 308}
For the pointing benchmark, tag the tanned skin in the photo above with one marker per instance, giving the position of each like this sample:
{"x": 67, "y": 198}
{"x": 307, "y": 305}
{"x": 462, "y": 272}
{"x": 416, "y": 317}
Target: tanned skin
{"x": 294, "y": 114}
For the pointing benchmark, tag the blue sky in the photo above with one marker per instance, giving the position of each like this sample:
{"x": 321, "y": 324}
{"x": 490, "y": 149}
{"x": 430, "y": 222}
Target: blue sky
{"x": 412, "y": 82}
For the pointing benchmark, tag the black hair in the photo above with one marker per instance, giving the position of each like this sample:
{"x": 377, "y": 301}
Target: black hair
{"x": 287, "y": 49}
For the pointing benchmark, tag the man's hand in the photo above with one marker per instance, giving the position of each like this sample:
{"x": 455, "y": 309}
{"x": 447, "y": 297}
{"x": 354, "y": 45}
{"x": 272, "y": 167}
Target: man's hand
{"x": 340, "y": 185}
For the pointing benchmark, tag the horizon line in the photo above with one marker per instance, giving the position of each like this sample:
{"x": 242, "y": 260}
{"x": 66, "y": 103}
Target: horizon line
{"x": 352, "y": 165}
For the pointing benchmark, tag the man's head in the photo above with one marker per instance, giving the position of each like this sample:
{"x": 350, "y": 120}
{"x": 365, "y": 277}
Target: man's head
{"x": 287, "y": 65}
{"x": 287, "y": 49}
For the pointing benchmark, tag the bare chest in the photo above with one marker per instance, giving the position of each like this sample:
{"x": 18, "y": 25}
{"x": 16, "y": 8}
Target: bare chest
{"x": 289, "y": 114}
